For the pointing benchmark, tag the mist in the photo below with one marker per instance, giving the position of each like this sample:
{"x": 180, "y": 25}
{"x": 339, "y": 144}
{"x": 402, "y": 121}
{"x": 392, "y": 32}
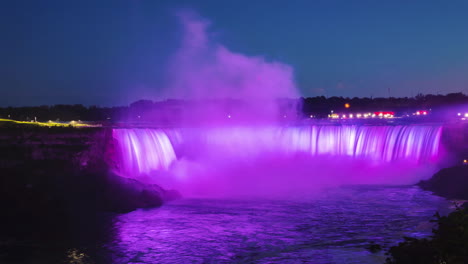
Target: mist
{"x": 271, "y": 161}
{"x": 203, "y": 69}
{"x": 229, "y": 141}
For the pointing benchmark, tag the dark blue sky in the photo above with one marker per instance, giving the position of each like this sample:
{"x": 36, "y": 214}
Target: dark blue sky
{"x": 112, "y": 52}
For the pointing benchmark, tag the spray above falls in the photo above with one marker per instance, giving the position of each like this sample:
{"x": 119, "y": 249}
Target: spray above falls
{"x": 206, "y": 152}
{"x": 203, "y": 69}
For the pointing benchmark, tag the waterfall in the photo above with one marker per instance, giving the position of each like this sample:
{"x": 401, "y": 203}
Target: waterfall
{"x": 385, "y": 143}
{"x": 144, "y": 150}
{"x": 141, "y": 151}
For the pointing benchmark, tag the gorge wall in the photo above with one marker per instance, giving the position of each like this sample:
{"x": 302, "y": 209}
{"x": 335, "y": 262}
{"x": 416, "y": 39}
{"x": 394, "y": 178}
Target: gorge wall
{"x": 52, "y": 178}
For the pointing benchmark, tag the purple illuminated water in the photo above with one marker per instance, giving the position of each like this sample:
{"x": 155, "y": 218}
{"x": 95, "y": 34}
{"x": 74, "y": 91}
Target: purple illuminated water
{"x": 335, "y": 226}
{"x": 269, "y": 194}
{"x": 243, "y": 160}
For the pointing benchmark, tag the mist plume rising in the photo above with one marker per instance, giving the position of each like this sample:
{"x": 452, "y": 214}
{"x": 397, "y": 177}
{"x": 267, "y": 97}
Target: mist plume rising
{"x": 220, "y": 147}
{"x": 203, "y": 69}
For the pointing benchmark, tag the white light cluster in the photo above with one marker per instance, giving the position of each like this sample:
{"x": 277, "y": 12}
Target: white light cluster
{"x": 359, "y": 115}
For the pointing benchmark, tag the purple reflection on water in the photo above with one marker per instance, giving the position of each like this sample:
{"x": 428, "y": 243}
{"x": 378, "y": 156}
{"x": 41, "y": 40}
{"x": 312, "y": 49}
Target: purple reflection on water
{"x": 334, "y": 226}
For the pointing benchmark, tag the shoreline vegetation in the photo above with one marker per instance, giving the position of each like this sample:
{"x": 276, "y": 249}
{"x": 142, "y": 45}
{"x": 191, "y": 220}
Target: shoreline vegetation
{"x": 449, "y": 241}
{"x": 441, "y": 107}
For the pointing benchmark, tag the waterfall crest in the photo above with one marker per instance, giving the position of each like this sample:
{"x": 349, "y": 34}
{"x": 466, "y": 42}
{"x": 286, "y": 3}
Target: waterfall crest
{"x": 142, "y": 151}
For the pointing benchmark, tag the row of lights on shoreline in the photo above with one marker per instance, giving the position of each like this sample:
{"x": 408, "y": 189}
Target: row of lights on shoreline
{"x": 382, "y": 114}
{"x": 362, "y": 115}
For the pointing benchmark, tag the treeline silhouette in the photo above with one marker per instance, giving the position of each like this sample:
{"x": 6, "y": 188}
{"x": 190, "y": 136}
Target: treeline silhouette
{"x": 165, "y": 110}
{"x": 322, "y": 106}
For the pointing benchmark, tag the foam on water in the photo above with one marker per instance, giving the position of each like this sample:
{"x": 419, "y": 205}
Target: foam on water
{"x": 248, "y": 155}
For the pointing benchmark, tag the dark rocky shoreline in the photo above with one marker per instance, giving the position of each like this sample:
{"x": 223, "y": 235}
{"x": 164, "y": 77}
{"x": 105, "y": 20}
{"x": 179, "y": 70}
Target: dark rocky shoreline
{"x": 450, "y": 183}
{"x": 449, "y": 241}
{"x": 57, "y": 182}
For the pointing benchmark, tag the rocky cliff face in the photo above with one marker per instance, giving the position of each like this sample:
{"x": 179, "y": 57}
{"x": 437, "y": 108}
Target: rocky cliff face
{"x": 451, "y": 183}
{"x": 455, "y": 141}
{"x": 19, "y": 145}
{"x": 50, "y": 177}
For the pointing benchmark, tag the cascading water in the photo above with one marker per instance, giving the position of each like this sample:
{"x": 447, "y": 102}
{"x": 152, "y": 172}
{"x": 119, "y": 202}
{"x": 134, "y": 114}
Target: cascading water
{"x": 380, "y": 143}
{"x": 142, "y": 151}
{"x": 145, "y": 150}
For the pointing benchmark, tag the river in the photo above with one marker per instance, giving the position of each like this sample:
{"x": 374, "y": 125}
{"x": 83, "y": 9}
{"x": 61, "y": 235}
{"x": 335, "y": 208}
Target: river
{"x": 335, "y": 226}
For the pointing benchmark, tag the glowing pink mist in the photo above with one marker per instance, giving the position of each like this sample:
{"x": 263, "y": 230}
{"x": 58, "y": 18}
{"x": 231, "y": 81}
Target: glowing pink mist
{"x": 204, "y": 69}
{"x": 219, "y": 157}
{"x": 271, "y": 160}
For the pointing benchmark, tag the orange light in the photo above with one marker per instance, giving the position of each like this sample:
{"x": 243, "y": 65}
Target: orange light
{"x": 347, "y": 105}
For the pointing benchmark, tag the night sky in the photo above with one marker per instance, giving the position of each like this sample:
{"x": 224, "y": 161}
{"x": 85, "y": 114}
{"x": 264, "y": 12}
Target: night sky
{"x": 113, "y": 52}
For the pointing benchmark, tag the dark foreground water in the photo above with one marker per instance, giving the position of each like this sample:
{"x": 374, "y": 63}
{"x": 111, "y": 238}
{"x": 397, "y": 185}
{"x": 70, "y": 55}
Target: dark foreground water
{"x": 335, "y": 226}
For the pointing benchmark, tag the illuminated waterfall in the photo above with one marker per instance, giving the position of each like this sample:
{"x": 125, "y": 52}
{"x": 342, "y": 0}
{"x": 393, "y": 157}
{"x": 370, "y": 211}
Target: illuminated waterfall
{"x": 416, "y": 143}
{"x": 145, "y": 150}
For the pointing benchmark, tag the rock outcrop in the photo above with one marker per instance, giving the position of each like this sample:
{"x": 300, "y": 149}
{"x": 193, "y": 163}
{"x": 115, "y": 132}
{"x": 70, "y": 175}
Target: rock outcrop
{"x": 52, "y": 177}
{"x": 451, "y": 183}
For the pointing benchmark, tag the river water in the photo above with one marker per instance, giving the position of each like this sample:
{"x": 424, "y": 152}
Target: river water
{"x": 335, "y": 226}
